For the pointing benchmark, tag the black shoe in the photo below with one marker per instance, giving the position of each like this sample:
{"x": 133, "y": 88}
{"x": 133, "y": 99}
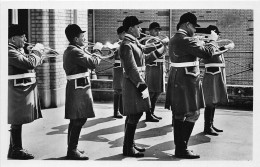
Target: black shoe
{"x": 157, "y": 117}
{"x": 151, "y": 118}
{"x": 132, "y": 153}
{"x": 140, "y": 149}
{"x": 117, "y": 115}
{"x": 76, "y": 155}
{"x": 20, "y": 154}
{"x": 210, "y": 131}
{"x": 186, "y": 154}
{"x": 216, "y": 129}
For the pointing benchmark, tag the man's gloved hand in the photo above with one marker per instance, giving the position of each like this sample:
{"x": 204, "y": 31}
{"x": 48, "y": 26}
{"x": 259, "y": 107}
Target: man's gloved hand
{"x": 143, "y": 89}
{"x": 98, "y": 46}
{"x": 166, "y": 40}
{"x": 213, "y": 36}
{"x": 230, "y": 46}
{"x": 145, "y": 93}
{"x": 38, "y": 47}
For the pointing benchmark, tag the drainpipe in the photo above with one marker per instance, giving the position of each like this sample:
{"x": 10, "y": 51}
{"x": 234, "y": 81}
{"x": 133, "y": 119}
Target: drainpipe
{"x": 75, "y": 16}
{"x": 170, "y": 24}
{"x": 29, "y": 26}
{"x": 93, "y": 26}
{"x": 15, "y": 16}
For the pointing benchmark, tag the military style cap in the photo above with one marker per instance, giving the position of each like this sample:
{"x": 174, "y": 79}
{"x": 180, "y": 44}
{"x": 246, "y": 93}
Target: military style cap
{"x": 213, "y": 28}
{"x": 189, "y": 17}
{"x": 73, "y": 30}
{"x": 15, "y": 30}
{"x": 120, "y": 30}
{"x": 155, "y": 25}
{"x": 130, "y": 21}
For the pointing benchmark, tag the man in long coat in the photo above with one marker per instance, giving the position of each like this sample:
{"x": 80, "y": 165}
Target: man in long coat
{"x": 214, "y": 84}
{"x": 117, "y": 78}
{"x": 184, "y": 94}
{"x": 79, "y": 100}
{"x": 23, "y": 99}
{"x": 134, "y": 89}
{"x": 155, "y": 73}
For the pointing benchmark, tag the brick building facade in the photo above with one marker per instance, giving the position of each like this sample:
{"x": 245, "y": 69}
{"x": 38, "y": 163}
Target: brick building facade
{"x": 47, "y": 26}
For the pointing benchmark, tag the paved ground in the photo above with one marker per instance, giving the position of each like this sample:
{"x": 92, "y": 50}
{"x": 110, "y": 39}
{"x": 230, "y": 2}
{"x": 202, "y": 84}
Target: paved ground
{"x": 102, "y": 137}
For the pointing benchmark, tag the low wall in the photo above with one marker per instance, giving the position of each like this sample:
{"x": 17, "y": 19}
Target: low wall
{"x": 239, "y": 95}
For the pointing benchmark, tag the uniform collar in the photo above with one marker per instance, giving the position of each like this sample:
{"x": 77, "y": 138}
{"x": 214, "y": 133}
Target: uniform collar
{"x": 182, "y": 31}
{"x": 130, "y": 38}
{"x": 13, "y": 46}
{"x": 74, "y": 45}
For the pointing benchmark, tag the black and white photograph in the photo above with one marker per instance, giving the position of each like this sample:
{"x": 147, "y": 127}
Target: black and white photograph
{"x": 129, "y": 83}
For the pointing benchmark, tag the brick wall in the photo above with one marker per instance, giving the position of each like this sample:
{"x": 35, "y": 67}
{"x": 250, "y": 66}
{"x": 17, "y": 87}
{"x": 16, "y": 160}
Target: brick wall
{"x": 48, "y": 27}
{"x": 235, "y": 24}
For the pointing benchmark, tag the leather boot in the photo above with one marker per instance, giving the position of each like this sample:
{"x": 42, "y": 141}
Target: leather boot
{"x": 116, "y": 106}
{"x": 212, "y": 120}
{"x": 128, "y": 147}
{"x": 120, "y": 104}
{"x": 140, "y": 149}
{"x": 181, "y": 132}
{"x": 208, "y": 124}
{"x": 69, "y": 131}
{"x": 187, "y": 130}
{"x": 16, "y": 150}
{"x": 153, "y": 102}
{"x": 73, "y": 153}
{"x": 150, "y": 117}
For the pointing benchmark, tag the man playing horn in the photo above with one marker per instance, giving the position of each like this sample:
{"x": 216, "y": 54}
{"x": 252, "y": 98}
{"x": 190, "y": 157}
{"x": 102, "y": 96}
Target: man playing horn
{"x": 79, "y": 100}
{"x": 214, "y": 82}
{"x": 23, "y": 99}
{"x": 184, "y": 94}
{"x": 134, "y": 88}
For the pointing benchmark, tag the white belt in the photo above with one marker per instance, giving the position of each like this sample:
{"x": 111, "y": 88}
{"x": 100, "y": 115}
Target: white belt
{"x": 159, "y": 60}
{"x": 75, "y": 76}
{"x": 141, "y": 69}
{"x": 20, "y": 76}
{"x": 215, "y": 65}
{"x": 185, "y": 64}
{"x": 117, "y": 61}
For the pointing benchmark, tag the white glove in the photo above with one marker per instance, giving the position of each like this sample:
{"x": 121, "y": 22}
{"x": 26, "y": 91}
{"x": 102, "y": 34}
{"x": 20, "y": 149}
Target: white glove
{"x": 213, "y": 36}
{"x": 38, "y": 47}
{"x": 98, "y": 46}
{"x": 145, "y": 93}
{"x": 166, "y": 40}
{"x": 230, "y": 46}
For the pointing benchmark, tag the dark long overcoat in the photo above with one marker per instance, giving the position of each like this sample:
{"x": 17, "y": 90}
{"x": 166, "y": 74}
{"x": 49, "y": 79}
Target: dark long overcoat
{"x": 79, "y": 101}
{"x": 117, "y": 72}
{"x": 214, "y": 80}
{"x": 133, "y": 57}
{"x": 155, "y": 74}
{"x": 184, "y": 89}
{"x": 23, "y": 101}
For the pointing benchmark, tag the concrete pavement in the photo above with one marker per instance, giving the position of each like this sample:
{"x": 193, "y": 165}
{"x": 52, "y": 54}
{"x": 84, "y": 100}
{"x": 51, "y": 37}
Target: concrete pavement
{"x": 102, "y": 137}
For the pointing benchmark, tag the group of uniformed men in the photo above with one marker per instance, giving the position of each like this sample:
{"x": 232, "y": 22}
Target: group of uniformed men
{"x": 135, "y": 91}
